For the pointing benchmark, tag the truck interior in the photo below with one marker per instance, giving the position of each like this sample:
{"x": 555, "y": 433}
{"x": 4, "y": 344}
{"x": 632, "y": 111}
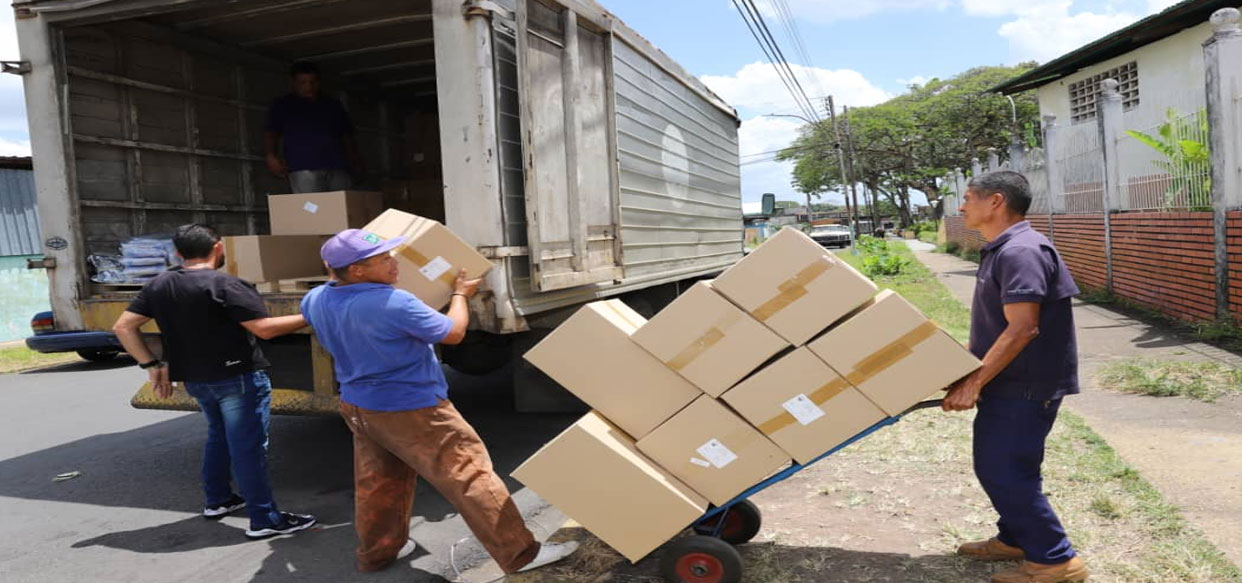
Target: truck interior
{"x": 167, "y": 110}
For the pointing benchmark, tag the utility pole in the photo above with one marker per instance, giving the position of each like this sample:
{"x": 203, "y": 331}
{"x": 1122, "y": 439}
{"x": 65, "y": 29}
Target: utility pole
{"x": 849, "y": 141}
{"x": 849, "y": 164}
{"x": 836, "y": 132}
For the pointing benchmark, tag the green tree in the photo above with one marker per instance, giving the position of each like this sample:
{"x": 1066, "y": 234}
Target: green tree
{"x": 911, "y": 141}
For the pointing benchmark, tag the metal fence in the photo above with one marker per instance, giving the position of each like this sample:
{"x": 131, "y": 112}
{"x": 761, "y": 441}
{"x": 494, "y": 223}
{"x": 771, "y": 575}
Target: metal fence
{"x": 1036, "y": 171}
{"x": 1081, "y": 160}
{"x": 1167, "y": 166}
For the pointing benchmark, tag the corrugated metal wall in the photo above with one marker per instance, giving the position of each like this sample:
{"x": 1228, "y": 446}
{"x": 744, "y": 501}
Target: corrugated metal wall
{"x": 680, "y": 185}
{"x": 19, "y": 215}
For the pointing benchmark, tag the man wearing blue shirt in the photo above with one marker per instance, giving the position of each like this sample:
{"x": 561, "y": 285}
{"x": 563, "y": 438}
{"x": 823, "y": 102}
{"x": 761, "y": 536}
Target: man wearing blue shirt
{"x": 395, "y": 399}
{"x": 1022, "y": 327}
{"x": 315, "y": 133}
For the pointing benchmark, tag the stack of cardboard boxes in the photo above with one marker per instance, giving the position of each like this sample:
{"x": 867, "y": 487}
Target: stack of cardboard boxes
{"x": 786, "y": 355}
{"x": 300, "y": 223}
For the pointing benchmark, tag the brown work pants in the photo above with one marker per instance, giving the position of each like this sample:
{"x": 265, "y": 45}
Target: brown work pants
{"x": 393, "y": 448}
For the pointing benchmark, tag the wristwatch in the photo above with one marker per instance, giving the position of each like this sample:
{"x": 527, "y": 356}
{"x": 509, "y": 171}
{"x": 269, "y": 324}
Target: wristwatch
{"x": 153, "y": 364}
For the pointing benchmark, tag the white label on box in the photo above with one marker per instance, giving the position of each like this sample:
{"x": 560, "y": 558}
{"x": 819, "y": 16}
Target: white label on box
{"x": 803, "y": 409}
{"x": 699, "y": 462}
{"x": 717, "y": 453}
{"x": 435, "y": 268}
{"x": 310, "y": 207}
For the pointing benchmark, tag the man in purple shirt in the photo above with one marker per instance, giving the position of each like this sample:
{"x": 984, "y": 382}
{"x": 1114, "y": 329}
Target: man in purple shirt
{"x": 1022, "y": 327}
{"x": 316, "y": 133}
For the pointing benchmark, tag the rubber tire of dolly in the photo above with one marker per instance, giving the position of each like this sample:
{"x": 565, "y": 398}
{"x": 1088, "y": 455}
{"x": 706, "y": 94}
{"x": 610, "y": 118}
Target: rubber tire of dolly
{"x": 701, "y": 559}
{"x": 742, "y": 523}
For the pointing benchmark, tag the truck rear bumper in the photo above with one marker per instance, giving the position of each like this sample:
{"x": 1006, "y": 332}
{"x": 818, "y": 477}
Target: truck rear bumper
{"x": 72, "y": 341}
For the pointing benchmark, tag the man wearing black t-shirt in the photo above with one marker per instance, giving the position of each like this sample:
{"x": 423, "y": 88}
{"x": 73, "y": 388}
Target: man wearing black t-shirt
{"x": 209, "y": 320}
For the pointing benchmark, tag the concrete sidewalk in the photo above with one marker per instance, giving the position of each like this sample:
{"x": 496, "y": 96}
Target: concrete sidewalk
{"x": 1189, "y": 450}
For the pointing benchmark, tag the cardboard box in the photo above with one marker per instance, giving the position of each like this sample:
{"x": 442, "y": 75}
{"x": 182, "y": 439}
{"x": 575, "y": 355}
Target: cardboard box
{"x": 322, "y": 213}
{"x": 795, "y": 286}
{"x": 431, "y": 256}
{"x": 262, "y": 258}
{"x": 713, "y": 450}
{"x": 803, "y": 405}
{"x": 710, "y": 341}
{"x": 595, "y": 475}
{"x": 593, "y": 357}
{"x": 893, "y": 353}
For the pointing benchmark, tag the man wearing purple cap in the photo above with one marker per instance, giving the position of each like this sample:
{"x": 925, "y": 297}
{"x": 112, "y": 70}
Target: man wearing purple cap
{"x": 395, "y": 399}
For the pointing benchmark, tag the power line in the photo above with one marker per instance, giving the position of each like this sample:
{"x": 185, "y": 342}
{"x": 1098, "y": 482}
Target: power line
{"x": 763, "y": 37}
{"x": 763, "y": 25}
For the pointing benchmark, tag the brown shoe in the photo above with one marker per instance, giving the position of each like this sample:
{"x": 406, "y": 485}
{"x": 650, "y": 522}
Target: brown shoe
{"x": 990, "y": 550}
{"x": 1071, "y": 571}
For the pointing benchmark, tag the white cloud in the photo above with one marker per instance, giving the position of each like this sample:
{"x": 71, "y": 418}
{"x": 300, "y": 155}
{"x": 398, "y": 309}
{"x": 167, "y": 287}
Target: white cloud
{"x": 756, "y": 88}
{"x": 14, "y": 147}
{"x": 1043, "y": 35}
{"x": 756, "y": 91}
{"x": 826, "y": 11}
{"x": 12, "y": 98}
{"x": 1154, "y": 6}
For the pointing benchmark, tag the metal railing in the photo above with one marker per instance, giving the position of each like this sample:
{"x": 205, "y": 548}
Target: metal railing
{"x": 1082, "y": 168}
{"x": 1167, "y": 167}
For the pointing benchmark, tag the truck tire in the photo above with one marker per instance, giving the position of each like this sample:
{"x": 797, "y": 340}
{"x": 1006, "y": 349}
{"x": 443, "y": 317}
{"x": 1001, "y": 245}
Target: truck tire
{"x": 479, "y": 354}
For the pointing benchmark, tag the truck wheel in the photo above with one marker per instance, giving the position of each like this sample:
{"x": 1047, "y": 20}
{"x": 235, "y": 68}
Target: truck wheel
{"x": 479, "y": 354}
{"x": 98, "y": 355}
{"x": 741, "y": 523}
{"x": 701, "y": 559}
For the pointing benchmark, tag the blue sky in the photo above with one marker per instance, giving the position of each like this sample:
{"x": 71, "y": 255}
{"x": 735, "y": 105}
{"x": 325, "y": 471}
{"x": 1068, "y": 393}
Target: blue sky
{"x": 861, "y": 51}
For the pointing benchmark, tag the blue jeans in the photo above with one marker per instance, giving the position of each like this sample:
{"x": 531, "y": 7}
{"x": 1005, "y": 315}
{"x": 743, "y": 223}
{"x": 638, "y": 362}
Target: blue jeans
{"x": 319, "y": 180}
{"x": 1009, "y": 449}
{"x": 238, "y": 412}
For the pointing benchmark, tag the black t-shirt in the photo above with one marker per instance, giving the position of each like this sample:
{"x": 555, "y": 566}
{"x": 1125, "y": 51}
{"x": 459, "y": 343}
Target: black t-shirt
{"x": 199, "y": 312}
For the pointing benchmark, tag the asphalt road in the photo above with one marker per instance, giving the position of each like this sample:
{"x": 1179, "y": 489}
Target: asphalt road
{"x": 133, "y": 514}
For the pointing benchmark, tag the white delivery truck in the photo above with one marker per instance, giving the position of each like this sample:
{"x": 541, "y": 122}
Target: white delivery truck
{"x": 569, "y": 150}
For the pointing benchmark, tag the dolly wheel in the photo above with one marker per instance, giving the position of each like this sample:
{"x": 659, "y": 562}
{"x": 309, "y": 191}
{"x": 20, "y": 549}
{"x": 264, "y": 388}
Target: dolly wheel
{"x": 701, "y": 559}
{"x": 741, "y": 523}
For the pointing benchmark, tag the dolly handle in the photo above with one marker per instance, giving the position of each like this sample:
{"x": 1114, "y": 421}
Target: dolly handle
{"x": 934, "y": 403}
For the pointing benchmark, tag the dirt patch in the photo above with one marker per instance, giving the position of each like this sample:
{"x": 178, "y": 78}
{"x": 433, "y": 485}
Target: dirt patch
{"x": 894, "y": 506}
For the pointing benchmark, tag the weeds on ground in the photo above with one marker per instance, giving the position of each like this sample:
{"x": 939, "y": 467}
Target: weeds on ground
{"x": 918, "y": 284}
{"x": 1203, "y": 381}
{"x": 1226, "y": 335}
{"x": 17, "y": 358}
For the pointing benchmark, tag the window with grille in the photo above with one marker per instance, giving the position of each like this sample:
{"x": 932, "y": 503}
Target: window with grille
{"x": 1085, "y": 94}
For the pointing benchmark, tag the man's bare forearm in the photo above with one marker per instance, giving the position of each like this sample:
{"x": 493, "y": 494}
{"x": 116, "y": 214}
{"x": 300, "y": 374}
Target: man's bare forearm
{"x": 1010, "y": 344}
{"x": 131, "y": 340}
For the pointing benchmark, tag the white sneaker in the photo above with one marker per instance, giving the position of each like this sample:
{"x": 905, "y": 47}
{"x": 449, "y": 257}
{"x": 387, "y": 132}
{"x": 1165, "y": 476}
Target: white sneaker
{"x": 550, "y": 553}
{"x": 406, "y": 550}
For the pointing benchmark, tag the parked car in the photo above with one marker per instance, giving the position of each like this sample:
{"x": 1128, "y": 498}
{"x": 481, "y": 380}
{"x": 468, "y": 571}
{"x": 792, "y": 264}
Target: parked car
{"x": 93, "y": 346}
{"x": 831, "y": 235}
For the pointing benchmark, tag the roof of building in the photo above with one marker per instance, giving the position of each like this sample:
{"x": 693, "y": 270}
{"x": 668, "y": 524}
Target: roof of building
{"x": 21, "y": 162}
{"x": 1158, "y": 26}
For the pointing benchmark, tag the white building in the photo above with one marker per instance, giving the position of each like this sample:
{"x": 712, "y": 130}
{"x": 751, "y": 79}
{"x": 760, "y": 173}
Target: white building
{"x": 1159, "y": 65}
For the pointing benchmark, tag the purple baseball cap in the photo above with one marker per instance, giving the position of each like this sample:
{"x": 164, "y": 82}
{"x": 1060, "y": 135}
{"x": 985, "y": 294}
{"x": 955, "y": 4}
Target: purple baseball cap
{"x": 353, "y": 245}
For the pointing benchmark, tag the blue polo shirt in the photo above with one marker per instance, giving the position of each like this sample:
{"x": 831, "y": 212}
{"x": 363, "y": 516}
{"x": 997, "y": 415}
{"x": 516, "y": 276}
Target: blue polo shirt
{"x": 1021, "y": 265}
{"x": 380, "y": 339}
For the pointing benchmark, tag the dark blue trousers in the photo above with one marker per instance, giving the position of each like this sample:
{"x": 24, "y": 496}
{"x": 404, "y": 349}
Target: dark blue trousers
{"x": 1009, "y": 449}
